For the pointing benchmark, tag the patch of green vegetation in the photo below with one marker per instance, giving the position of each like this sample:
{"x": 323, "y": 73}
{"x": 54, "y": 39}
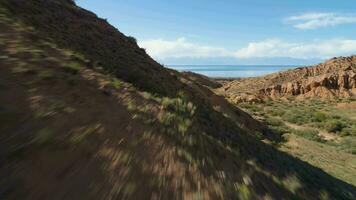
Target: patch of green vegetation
{"x": 348, "y": 144}
{"x": 74, "y": 55}
{"x": 47, "y": 74}
{"x": 276, "y": 125}
{"x": 312, "y": 115}
{"x": 351, "y": 131}
{"x": 319, "y": 116}
{"x": 132, "y": 39}
{"x": 274, "y": 121}
{"x": 51, "y": 108}
{"x": 334, "y": 125}
{"x": 117, "y": 83}
{"x": 292, "y": 183}
{"x": 20, "y": 69}
{"x": 177, "y": 114}
{"x": 259, "y": 135}
{"x": 251, "y": 107}
{"x": 309, "y": 133}
{"x": 276, "y": 112}
{"x": 131, "y": 106}
{"x": 297, "y": 116}
{"x": 244, "y": 192}
{"x": 80, "y": 137}
{"x": 72, "y": 67}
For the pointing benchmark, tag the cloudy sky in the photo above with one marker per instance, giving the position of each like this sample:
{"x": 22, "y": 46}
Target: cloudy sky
{"x": 235, "y": 31}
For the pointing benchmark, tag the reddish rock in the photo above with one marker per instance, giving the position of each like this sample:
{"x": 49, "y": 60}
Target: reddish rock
{"x": 332, "y": 79}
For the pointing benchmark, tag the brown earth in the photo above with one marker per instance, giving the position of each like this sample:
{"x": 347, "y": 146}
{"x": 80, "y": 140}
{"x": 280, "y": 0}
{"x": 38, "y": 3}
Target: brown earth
{"x": 336, "y": 78}
{"x": 89, "y": 118}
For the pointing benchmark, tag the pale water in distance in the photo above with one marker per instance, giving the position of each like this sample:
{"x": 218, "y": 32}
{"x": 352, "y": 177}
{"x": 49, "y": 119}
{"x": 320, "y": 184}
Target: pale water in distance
{"x": 232, "y": 71}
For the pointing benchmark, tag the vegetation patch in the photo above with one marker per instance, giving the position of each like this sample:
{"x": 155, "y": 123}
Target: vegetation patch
{"x": 309, "y": 133}
{"x": 177, "y": 114}
{"x": 72, "y": 67}
{"x": 85, "y": 133}
{"x": 117, "y": 83}
{"x": 47, "y": 74}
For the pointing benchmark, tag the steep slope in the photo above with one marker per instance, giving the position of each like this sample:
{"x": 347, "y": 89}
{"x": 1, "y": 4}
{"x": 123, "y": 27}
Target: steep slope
{"x": 74, "y": 124}
{"x": 103, "y": 47}
{"x": 336, "y": 78}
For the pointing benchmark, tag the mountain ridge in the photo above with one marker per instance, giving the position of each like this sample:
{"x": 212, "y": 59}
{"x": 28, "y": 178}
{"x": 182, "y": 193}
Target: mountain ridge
{"x": 335, "y": 78}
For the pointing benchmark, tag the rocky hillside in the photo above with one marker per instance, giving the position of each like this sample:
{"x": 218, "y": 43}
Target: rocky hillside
{"x": 86, "y": 114}
{"x": 336, "y": 78}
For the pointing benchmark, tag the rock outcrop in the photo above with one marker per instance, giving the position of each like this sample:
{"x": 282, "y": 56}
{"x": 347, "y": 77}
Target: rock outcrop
{"x": 336, "y": 78}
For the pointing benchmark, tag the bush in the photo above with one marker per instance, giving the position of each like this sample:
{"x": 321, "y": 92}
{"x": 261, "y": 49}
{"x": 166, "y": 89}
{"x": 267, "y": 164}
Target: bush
{"x": 334, "y": 125}
{"x": 275, "y": 111}
{"x": 132, "y": 39}
{"x": 274, "y": 121}
{"x": 251, "y": 107}
{"x": 177, "y": 115}
{"x": 319, "y": 116}
{"x": 348, "y": 131}
{"x": 309, "y": 134}
{"x": 117, "y": 83}
{"x": 348, "y": 144}
{"x": 296, "y": 117}
{"x": 281, "y": 130}
{"x": 72, "y": 67}
{"x": 46, "y": 74}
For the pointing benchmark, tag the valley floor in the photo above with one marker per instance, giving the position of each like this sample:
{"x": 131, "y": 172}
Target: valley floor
{"x": 320, "y": 133}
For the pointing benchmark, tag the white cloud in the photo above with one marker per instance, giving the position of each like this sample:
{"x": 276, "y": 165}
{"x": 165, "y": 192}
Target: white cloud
{"x": 272, "y": 48}
{"x": 279, "y": 48}
{"x": 320, "y": 20}
{"x": 181, "y": 48}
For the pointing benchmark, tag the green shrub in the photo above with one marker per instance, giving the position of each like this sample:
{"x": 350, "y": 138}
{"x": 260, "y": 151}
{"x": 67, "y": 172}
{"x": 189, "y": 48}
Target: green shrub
{"x": 177, "y": 114}
{"x": 348, "y": 144}
{"x": 117, "y": 83}
{"x": 274, "y": 121}
{"x": 309, "y": 134}
{"x": 348, "y": 131}
{"x": 335, "y": 125}
{"x": 280, "y": 129}
{"x": 87, "y": 131}
{"x": 132, "y": 39}
{"x": 275, "y": 111}
{"x": 46, "y": 74}
{"x": 319, "y": 116}
{"x": 251, "y": 107}
{"x": 72, "y": 67}
{"x": 259, "y": 135}
{"x": 296, "y": 117}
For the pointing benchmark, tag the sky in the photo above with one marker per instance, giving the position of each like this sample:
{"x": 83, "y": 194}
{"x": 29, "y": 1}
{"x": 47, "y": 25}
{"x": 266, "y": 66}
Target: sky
{"x": 235, "y": 31}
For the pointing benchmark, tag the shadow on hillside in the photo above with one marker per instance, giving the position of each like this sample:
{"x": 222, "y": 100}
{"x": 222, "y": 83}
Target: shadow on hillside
{"x": 124, "y": 159}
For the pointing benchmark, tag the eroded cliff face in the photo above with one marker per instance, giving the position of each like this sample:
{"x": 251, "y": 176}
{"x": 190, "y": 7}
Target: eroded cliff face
{"x": 336, "y": 78}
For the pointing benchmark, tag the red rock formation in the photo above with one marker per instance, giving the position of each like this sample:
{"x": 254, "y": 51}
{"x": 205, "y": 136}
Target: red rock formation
{"x": 334, "y": 78}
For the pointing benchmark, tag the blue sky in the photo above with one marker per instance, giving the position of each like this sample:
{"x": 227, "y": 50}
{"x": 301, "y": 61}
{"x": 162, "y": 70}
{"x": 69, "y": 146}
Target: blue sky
{"x": 235, "y": 31}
